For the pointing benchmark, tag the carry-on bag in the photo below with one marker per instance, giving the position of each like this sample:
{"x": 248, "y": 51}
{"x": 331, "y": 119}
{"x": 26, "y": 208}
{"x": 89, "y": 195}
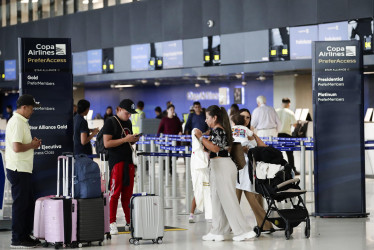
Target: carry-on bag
{"x": 91, "y": 220}
{"x": 147, "y": 218}
{"x": 60, "y": 212}
{"x": 87, "y": 183}
{"x": 39, "y": 228}
{"x": 104, "y": 169}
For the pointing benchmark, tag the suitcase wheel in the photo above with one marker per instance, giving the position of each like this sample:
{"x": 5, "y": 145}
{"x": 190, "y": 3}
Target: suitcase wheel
{"x": 159, "y": 241}
{"x": 108, "y": 236}
{"x": 136, "y": 242}
{"x": 100, "y": 243}
{"x": 45, "y": 244}
{"x": 80, "y": 245}
{"x": 131, "y": 240}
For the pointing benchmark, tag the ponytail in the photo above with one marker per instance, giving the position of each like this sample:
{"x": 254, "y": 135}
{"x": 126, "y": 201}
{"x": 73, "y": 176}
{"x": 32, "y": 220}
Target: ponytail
{"x": 226, "y": 126}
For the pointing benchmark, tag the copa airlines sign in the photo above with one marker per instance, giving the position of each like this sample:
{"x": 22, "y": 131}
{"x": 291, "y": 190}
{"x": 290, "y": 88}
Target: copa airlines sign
{"x": 334, "y": 51}
{"x": 48, "y": 50}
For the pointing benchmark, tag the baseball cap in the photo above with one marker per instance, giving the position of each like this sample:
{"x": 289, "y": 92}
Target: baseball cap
{"x": 27, "y": 99}
{"x": 128, "y": 105}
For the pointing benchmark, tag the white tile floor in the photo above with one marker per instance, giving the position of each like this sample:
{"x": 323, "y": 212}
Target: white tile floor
{"x": 329, "y": 234}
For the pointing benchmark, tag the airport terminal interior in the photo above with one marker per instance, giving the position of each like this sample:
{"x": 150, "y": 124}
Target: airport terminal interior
{"x": 317, "y": 53}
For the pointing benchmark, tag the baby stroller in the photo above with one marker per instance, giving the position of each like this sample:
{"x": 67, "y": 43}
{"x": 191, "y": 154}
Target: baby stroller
{"x": 275, "y": 183}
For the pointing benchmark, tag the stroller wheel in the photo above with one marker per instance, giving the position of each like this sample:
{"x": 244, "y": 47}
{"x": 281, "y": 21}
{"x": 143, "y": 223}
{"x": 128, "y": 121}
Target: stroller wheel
{"x": 257, "y": 230}
{"x": 287, "y": 234}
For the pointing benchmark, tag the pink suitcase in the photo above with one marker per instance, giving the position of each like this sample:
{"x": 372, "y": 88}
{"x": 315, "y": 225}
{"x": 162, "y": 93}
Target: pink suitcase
{"x": 39, "y": 217}
{"x": 60, "y": 212}
{"x": 105, "y": 177}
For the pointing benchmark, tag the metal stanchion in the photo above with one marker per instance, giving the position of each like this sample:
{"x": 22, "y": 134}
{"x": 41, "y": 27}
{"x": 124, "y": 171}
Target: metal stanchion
{"x": 167, "y": 166}
{"x": 152, "y": 181}
{"x": 174, "y": 173}
{"x": 188, "y": 181}
{"x": 310, "y": 171}
{"x": 141, "y": 168}
{"x": 161, "y": 175}
{"x": 302, "y": 167}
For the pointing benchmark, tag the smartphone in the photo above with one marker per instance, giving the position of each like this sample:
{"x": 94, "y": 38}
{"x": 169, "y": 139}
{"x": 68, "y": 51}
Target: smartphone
{"x": 139, "y": 135}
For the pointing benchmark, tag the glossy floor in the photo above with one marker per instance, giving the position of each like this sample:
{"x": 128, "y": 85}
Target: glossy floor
{"x": 341, "y": 234}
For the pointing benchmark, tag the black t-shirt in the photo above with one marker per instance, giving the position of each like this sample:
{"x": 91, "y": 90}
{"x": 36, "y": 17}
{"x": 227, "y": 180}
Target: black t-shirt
{"x": 122, "y": 152}
{"x": 81, "y": 126}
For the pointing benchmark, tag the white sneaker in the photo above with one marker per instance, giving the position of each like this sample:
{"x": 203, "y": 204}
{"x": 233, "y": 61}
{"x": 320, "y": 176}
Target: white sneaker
{"x": 245, "y": 236}
{"x": 127, "y": 227}
{"x": 191, "y": 219}
{"x": 213, "y": 237}
{"x": 113, "y": 228}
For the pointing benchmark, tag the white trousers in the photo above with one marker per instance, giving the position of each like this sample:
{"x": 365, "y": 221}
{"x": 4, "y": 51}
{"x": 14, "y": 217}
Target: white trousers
{"x": 226, "y": 210}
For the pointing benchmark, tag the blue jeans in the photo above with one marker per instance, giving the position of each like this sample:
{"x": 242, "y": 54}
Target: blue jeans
{"x": 23, "y": 205}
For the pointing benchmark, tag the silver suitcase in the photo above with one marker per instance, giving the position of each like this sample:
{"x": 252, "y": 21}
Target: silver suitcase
{"x": 147, "y": 218}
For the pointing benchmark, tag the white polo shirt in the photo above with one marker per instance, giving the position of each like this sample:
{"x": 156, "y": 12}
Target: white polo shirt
{"x": 288, "y": 119}
{"x": 18, "y": 130}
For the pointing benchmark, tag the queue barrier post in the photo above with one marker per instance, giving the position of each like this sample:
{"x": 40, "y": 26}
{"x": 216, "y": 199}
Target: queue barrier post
{"x": 152, "y": 169}
{"x": 161, "y": 175}
{"x": 302, "y": 167}
{"x": 188, "y": 180}
{"x": 174, "y": 173}
{"x": 310, "y": 169}
{"x": 167, "y": 166}
{"x": 142, "y": 167}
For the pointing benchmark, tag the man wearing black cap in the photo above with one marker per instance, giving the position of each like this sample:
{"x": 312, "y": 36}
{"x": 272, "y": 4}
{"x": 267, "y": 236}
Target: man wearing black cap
{"x": 19, "y": 156}
{"x": 118, "y": 137}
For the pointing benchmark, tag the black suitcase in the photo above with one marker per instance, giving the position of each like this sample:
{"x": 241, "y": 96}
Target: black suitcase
{"x": 91, "y": 220}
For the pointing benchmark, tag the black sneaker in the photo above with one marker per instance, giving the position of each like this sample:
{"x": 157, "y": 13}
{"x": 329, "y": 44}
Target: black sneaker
{"x": 35, "y": 241}
{"x": 23, "y": 244}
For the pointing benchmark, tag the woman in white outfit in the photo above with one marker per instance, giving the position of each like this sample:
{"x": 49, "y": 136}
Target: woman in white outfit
{"x": 226, "y": 210}
{"x": 255, "y": 200}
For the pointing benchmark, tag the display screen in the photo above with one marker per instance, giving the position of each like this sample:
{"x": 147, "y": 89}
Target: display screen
{"x": 333, "y": 31}
{"x": 301, "y": 39}
{"x": 10, "y": 70}
{"x": 80, "y": 63}
{"x": 94, "y": 61}
{"x": 256, "y": 46}
{"x": 172, "y": 52}
{"x": 140, "y": 55}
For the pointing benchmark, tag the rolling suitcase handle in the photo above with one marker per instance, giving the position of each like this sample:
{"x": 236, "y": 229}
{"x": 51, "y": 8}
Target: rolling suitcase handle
{"x": 104, "y": 171}
{"x": 64, "y": 158}
{"x": 65, "y": 176}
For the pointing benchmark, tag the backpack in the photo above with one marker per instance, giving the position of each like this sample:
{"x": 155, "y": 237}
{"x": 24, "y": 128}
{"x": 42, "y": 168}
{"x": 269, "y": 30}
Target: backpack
{"x": 99, "y": 145}
{"x": 87, "y": 182}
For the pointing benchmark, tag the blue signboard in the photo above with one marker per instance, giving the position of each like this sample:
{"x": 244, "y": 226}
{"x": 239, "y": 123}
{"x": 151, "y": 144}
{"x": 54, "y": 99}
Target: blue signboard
{"x": 339, "y": 158}
{"x": 80, "y": 63}
{"x": 94, "y": 61}
{"x": 46, "y": 74}
{"x": 10, "y": 70}
{"x": 172, "y": 54}
{"x": 140, "y": 55}
{"x": 333, "y": 31}
{"x": 301, "y": 39}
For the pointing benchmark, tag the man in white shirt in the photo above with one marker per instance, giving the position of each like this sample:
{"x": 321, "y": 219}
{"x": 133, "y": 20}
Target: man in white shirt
{"x": 288, "y": 119}
{"x": 19, "y": 157}
{"x": 264, "y": 119}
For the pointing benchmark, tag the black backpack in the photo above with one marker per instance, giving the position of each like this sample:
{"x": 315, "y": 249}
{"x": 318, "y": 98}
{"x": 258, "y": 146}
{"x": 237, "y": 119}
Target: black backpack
{"x": 99, "y": 145}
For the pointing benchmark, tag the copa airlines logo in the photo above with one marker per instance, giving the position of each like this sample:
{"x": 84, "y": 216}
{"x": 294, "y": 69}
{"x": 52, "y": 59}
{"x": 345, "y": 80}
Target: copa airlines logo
{"x": 48, "y": 50}
{"x": 332, "y": 51}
